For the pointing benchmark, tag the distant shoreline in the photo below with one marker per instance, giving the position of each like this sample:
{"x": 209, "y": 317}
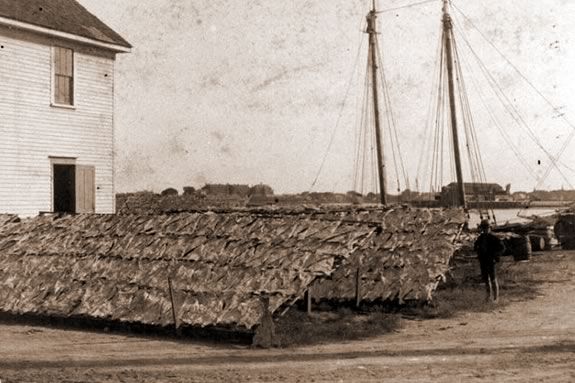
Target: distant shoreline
{"x": 501, "y": 204}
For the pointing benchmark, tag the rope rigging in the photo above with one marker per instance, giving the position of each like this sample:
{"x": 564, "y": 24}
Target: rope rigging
{"x": 361, "y": 139}
{"x": 341, "y": 109}
{"x": 516, "y": 151}
{"x": 425, "y": 154}
{"x": 392, "y": 127}
{"x": 475, "y": 160}
{"x": 406, "y": 6}
{"x": 449, "y": 104}
{"x": 553, "y": 159}
{"x": 512, "y": 110}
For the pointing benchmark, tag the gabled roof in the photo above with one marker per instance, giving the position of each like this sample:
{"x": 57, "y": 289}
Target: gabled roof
{"x": 66, "y": 16}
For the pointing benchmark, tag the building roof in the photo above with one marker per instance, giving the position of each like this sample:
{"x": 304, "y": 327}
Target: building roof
{"x": 66, "y": 16}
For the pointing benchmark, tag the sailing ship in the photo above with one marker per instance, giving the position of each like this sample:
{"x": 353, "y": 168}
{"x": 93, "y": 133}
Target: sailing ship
{"x": 455, "y": 113}
{"x": 452, "y": 111}
{"x": 451, "y": 66}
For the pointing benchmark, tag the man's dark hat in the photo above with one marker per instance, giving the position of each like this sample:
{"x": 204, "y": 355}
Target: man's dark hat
{"x": 484, "y": 224}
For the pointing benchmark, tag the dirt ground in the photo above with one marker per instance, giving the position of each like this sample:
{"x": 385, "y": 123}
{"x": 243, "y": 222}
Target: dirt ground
{"x": 518, "y": 340}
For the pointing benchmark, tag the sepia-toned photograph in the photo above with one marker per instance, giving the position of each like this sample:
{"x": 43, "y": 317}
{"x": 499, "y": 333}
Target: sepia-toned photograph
{"x": 287, "y": 191}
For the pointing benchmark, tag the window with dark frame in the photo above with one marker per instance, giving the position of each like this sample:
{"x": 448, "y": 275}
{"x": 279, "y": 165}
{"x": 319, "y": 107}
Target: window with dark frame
{"x": 63, "y": 76}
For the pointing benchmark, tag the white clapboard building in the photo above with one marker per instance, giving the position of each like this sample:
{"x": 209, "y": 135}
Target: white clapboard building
{"x": 56, "y": 108}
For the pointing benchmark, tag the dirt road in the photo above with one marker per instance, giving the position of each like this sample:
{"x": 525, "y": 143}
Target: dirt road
{"x": 515, "y": 341}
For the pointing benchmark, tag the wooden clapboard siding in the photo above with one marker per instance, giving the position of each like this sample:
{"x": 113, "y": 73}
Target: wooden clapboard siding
{"x": 32, "y": 131}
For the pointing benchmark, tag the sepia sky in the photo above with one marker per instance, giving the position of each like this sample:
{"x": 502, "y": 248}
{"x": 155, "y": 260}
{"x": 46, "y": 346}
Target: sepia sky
{"x": 224, "y": 91}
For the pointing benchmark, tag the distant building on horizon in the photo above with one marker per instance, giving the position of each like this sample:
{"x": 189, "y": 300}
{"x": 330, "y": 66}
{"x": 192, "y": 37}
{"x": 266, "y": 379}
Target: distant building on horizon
{"x": 56, "y": 108}
{"x": 237, "y": 190}
{"x": 226, "y": 189}
{"x": 475, "y": 192}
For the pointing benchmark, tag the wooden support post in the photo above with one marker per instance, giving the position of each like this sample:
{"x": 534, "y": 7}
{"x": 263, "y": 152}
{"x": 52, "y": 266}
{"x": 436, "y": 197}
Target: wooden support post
{"x": 174, "y": 316}
{"x": 358, "y": 285}
{"x": 308, "y": 301}
{"x": 265, "y": 332}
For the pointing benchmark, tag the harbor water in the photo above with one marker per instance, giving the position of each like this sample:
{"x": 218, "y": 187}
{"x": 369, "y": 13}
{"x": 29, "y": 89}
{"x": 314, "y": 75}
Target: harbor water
{"x": 504, "y": 216}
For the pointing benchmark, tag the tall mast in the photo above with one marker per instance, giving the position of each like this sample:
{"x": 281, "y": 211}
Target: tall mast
{"x": 371, "y": 29}
{"x": 448, "y": 44}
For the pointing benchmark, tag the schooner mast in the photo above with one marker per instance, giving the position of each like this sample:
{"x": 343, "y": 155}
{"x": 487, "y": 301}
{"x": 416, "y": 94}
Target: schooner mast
{"x": 448, "y": 47}
{"x": 372, "y": 59}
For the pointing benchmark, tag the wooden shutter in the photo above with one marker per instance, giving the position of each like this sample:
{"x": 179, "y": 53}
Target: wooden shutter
{"x": 63, "y": 76}
{"x": 85, "y": 189}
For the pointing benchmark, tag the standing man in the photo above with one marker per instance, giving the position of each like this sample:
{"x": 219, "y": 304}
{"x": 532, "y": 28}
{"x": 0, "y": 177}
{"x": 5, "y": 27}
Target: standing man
{"x": 489, "y": 248}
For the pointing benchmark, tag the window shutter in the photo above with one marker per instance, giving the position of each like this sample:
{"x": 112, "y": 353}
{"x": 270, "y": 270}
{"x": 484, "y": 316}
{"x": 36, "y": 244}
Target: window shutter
{"x": 85, "y": 189}
{"x": 63, "y": 76}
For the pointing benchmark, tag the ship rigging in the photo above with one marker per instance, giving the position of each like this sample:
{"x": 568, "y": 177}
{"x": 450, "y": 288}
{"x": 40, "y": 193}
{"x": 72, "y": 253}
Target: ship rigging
{"x": 451, "y": 123}
{"x": 450, "y": 145}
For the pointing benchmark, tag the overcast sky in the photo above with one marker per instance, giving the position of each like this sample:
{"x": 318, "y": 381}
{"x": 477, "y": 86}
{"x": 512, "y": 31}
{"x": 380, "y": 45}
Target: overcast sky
{"x": 227, "y": 91}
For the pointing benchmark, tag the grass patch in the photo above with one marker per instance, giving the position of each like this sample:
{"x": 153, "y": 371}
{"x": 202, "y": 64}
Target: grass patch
{"x": 462, "y": 292}
{"x": 465, "y": 292}
{"x": 449, "y": 302}
{"x": 299, "y": 328}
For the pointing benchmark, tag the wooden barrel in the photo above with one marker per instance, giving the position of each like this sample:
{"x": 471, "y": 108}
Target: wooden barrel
{"x": 521, "y": 248}
{"x": 565, "y": 231}
{"x": 549, "y": 235}
{"x": 568, "y": 244}
{"x": 537, "y": 242}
